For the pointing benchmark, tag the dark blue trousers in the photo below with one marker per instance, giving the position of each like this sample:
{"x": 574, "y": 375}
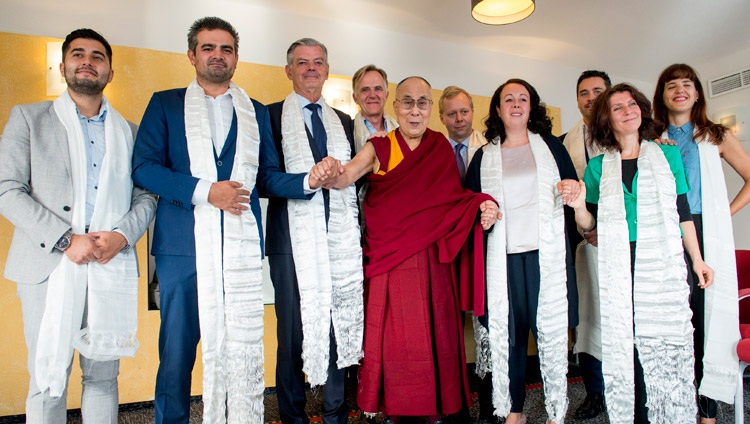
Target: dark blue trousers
{"x": 523, "y": 293}
{"x": 591, "y": 373}
{"x": 290, "y": 380}
{"x": 178, "y": 337}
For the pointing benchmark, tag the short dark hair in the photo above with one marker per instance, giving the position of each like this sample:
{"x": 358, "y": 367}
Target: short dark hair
{"x": 539, "y": 122}
{"x": 594, "y": 74}
{"x": 90, "y": 34}
{"x": 210, "y": 23}
{"x": 601, "y": 129}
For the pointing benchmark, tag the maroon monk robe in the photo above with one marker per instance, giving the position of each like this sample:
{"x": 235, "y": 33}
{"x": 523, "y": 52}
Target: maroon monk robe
{"x": 418, "y": 218}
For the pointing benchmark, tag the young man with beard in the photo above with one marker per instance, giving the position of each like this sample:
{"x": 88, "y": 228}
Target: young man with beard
{"x": 65, "y": 185}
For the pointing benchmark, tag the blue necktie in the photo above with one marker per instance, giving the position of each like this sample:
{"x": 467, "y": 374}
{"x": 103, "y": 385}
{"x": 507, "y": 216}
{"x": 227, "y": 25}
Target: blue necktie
{"x": 460, "y": 160}
{"x": 318, "y": 130}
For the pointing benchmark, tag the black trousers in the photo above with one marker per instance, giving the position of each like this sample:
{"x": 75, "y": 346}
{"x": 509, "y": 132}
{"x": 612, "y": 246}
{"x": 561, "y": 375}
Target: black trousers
{"x": 707, "y": 407}
{"x": 523, "y": 293}
{"x": 290, "y": 380}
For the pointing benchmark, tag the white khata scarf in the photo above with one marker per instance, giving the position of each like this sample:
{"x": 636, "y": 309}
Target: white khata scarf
{"x": 663, "y": 332}
{"x": 721, "y": 329}
{"x": 328, "y": 263}
{"x": 111, "y": 290}
{"x": 552, "y": 312}
{"x": 361, "y": 133}
{"x": 230, "y": 283}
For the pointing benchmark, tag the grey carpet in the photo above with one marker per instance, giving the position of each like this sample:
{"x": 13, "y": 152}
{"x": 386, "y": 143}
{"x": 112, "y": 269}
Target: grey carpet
{"x": 143, "y": 413}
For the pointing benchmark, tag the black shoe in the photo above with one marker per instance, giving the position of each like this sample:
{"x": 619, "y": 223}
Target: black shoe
{"x": 592, "y": 406}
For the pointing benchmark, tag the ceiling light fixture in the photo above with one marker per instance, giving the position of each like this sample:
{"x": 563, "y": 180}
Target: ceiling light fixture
{"x": 501, "y": 12}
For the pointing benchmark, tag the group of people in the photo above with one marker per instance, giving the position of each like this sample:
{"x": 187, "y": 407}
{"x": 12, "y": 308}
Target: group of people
{"x": 380, "y": 234}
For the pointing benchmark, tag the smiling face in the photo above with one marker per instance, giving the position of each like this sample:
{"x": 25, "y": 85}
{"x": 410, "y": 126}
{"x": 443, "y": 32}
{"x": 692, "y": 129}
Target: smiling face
{"x": 308, "y": 71}
{"x": 215, "y": 57}
{"x": 680, "y": 95}
{"x": 588, "y": 90}
{"x": 624, "y": 114}
{"x": 86, "y": 67}
{"x": 370, "y": 95}
{"x": 515, "y": 106}
{"x": 412, "y": 121}
{"x": 457, "y": 117}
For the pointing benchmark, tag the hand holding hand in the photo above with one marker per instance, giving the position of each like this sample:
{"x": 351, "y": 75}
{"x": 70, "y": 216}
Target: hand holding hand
{"x": 490, "y": 214}
{"x": 110, "y": 243}
{"x": 229, "y": 196}
{"x": 82, "y": 249}
{"x": 325, "y": 173}
{"x": 570, "y": 190}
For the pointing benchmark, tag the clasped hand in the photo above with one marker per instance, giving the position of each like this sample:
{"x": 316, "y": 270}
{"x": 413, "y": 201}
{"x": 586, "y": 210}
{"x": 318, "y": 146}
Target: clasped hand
{"x": 570, "y": 190}
{"x": 325, "y": 173}
{"x": 100, "y": 246}
{"x": 489, "y": 214}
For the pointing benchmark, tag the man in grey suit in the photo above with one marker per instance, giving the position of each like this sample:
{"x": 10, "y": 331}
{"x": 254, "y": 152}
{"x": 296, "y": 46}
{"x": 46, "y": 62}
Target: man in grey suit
{"x": 65, "y": 186}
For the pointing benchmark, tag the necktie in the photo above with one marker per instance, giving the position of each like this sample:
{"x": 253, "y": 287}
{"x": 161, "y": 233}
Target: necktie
{"x": 318, "y": 130}
{"x": 460, "y": 160}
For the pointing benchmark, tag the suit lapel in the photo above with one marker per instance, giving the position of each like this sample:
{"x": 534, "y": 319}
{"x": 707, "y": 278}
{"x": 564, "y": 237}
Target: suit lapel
{"x": 60, "y": 140}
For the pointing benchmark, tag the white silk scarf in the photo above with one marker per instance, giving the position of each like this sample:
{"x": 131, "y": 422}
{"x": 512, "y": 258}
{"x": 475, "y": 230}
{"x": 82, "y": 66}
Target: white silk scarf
{"x": 328, "y": 262}
{"x": 552, "y": 311}
{"x": 662, "y": 333}
{"x": 228, "y": 265}
{"x": 720, "y": 372}
{"x": 110, "y": 290}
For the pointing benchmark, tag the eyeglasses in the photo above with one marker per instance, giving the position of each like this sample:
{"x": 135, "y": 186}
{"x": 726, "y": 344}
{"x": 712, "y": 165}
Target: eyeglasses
{"x": 422, "y": 104}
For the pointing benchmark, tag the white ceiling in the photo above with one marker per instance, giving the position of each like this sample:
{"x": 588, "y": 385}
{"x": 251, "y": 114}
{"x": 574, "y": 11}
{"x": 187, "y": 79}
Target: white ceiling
{"x": 635, "y": 38}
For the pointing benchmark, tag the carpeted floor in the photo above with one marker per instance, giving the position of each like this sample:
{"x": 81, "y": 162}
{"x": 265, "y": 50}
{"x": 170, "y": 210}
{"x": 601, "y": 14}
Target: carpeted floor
{"x": 143, "y": 413}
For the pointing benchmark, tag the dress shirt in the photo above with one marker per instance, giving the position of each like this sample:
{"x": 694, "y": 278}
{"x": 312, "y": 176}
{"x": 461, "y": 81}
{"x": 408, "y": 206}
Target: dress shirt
{"x": 93, "y": 133}
{"x": 307, "y": 116}
{"x": 371, "y": 128}
{"x": 464, "y": 152}
{"x": 691, "y": 160}
{"x": 220, "y": 114}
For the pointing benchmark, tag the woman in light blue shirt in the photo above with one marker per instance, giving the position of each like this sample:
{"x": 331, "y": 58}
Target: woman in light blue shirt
{"x": 680, "y": 106}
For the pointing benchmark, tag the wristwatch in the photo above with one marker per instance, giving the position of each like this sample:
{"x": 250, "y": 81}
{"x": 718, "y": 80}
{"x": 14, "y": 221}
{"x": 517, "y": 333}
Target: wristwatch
{"x": 64, "y": 241}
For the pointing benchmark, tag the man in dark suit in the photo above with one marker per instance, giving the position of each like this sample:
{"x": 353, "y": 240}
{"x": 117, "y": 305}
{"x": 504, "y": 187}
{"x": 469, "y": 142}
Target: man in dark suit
{"x": 590, "y": 84}
{"x": 198, "y": 149}
{"x": 65, "y": 185}
{"x": 312, "y": 245}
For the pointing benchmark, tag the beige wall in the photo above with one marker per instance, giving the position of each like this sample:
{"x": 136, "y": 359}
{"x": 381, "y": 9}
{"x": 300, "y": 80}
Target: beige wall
{"x": 138, "y": 73}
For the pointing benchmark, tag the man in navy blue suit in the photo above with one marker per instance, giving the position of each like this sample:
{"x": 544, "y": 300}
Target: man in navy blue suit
{"x": 199, "y": 148}
{"x": 313, "y": 245}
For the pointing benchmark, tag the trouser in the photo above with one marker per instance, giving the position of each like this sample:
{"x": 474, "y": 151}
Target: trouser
{"x": 523, "y": 293}
{"x": 290, "y": 380}
{"x": 707, "y": 407}
{"x": 99, "y": 397}
{"x": 591, "y": 373}
{"x": 179, "y": 334}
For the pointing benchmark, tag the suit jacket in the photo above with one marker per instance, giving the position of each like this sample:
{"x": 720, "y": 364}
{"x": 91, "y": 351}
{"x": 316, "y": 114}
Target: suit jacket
{"x": 161, "y": 164}
{"x": 277, "y": 221}
{"x": 36, "y": 192}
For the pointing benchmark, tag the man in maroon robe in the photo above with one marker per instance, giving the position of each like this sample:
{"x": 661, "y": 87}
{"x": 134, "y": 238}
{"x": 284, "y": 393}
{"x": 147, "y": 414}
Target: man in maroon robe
{"x": 418, "y": 219}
